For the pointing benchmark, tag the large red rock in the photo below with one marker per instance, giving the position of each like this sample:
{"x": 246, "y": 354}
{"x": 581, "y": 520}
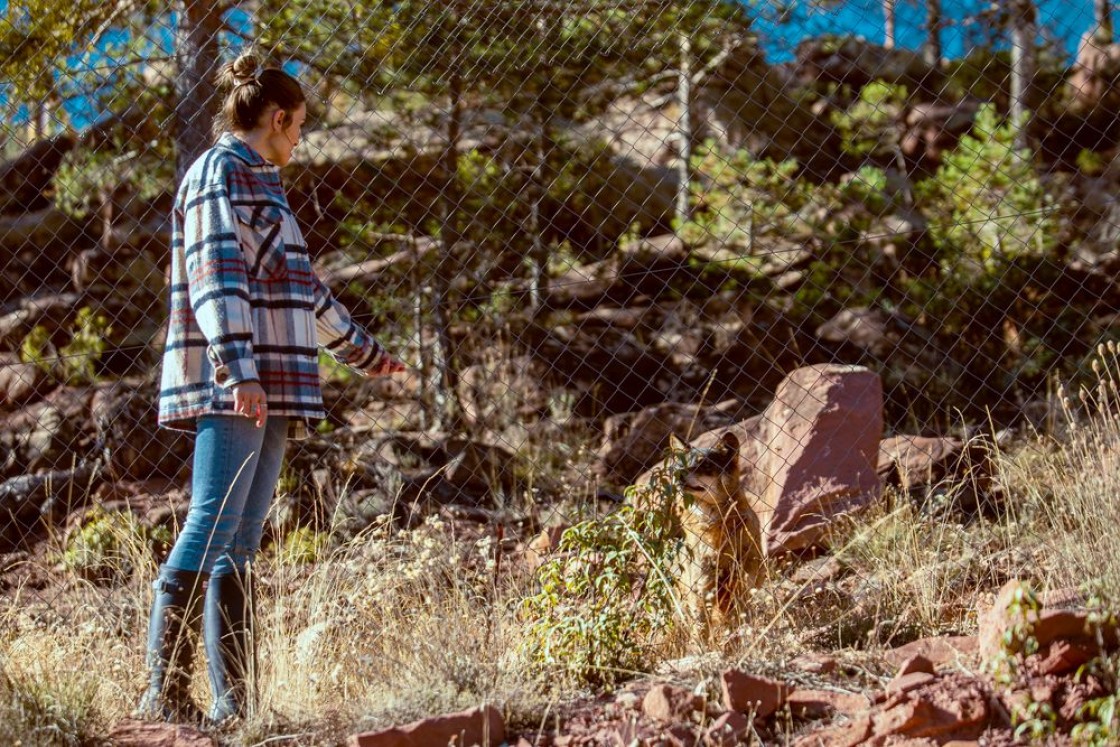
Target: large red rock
{"x": 478, "y": 726}
{"x": 821, "y": 436}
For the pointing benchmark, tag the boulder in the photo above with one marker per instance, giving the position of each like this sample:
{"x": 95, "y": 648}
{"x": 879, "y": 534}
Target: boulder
{"x": 922, "y": 465}
{"x": 821, "y": 438}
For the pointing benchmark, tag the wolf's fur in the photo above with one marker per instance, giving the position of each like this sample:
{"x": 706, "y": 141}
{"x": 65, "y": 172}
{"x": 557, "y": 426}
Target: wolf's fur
{"x": 722, "y": 534}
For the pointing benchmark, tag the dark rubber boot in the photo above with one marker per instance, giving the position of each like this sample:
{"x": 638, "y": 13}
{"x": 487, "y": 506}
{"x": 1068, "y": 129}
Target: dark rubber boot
{"x": 172, "y": 630}
{"x": 230, "y": 645}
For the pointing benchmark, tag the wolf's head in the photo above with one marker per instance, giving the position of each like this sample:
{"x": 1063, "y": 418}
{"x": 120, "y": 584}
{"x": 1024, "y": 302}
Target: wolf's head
{"x": 710, "y": 475}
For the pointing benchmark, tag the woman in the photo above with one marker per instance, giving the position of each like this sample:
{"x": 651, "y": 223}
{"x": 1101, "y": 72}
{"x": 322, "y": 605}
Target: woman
{"x": 240, "y": 368}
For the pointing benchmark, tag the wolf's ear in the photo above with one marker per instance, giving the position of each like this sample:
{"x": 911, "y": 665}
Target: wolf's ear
{"x": 675, "y": 444}
{"x": 729, "y": 441}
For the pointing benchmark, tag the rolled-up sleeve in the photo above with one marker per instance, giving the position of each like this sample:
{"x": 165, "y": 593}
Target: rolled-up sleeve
{"x": 344, "y": 339}
{"x": 218, "y": 283}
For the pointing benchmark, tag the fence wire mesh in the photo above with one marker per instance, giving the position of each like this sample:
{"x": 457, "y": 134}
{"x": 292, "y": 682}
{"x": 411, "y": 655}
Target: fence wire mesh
{"x": 874, "y": 243}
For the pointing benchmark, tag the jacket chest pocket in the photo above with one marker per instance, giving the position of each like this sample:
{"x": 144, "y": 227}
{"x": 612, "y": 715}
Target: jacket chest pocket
{"x": 263, "y": 240}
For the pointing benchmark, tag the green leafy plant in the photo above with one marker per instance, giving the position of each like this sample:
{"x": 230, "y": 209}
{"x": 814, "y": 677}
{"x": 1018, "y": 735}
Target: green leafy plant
{"x": 110, "y": 544}
{"x": 870, "y": 126}
{"x": 80, "y": 356}
{"x": 607, "y": 599}
{"x": 76, "y": 361}
{"x": 302, "y": 546}
{"x": 992, "y": 204}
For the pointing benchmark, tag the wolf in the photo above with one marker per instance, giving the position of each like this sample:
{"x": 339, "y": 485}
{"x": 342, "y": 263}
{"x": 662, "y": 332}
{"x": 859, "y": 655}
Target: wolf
{"x": 721, "y": 531}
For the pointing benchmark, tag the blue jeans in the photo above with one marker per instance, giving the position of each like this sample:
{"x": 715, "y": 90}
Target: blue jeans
{"x": 236, "y": 466}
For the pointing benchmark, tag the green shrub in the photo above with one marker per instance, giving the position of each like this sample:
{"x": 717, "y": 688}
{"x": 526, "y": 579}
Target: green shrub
{"x": 870, "y": 126}
{"x": 607, "y": 600}
{"x": 302, "y": 546}
{"x": 110, "y": 544}
{"x": 76, "y": 361}
{"x": 988, "y": 203}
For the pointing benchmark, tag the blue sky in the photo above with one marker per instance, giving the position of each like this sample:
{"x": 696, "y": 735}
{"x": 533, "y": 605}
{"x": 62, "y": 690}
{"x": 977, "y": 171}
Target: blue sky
{"x": 1064, "y": 20}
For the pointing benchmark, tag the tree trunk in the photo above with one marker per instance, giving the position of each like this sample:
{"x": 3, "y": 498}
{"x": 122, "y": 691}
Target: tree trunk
{"x": 447, "y": 392}
{"x": 888, "y": 24}
{"x": 198, "y": 55}
{"x": 933, "y": 27}
{"x": 1023, "y": 66}
{"x": 684, "y": 131}
{"x": 1102, "y": 10}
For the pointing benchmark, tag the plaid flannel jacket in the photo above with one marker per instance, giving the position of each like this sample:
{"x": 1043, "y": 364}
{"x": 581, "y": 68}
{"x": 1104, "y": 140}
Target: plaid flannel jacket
{"x": 246, "y": 304}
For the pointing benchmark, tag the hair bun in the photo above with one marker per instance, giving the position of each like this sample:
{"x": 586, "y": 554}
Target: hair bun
{"x": 246, "y": 69}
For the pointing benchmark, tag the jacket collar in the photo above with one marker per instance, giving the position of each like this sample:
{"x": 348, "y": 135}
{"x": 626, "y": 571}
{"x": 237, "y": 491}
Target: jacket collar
{"x": 238, "y": 147}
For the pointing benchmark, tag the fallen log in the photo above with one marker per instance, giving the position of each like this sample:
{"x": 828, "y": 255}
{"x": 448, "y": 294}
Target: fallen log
{"x": 39, "y": 230}
{"x": 29, "y": 502}
{"x": 25, "y": 180}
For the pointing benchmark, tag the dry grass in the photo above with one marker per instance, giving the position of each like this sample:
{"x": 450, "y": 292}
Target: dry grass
{"x": 394, "y": 625}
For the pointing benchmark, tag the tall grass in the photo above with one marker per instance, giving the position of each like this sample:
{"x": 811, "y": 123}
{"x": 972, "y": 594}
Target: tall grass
{"x": 392, "y": 625}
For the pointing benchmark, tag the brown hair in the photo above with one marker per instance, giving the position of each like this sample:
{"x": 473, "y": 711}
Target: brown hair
{"x": 252, "y": 89}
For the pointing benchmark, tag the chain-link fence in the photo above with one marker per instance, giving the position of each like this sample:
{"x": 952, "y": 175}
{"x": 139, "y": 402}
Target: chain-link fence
{"x": 872, "y": 241}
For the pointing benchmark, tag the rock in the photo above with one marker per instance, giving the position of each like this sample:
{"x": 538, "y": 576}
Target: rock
{"x": 939, "y": 709}
{"x": 815, "y": 663}
{"x": 821, "y": 434}
{"x": 1048, "y": 625}
{"x": 669, "y": 704}
{"x": 747, "y": 692}
{"x": 819, "y": 570}
{"x": 915, "y": 664}
{"x": 933, "y": 128}
{"x": 494, "y": 393}
{"x": 863, "y": 328}
{"x": 477, "y": 726}
{"x": 911, "y": 681}
{"x": 132, "y": 733}
{"x": 856, "y": 62}
{"x": 910, "y": 462}
{"x": 817, "y": 704}
{"x": 728, "y": 730}
{"x": 19, "y": 381}
{"x": 1092, "y": 81}
{"x": 634, "y": 442}
{"x": 124, "y": 416}
{"x": 938, "y": 651}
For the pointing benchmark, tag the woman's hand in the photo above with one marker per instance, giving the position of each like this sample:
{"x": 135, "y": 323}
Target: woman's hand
{"x": 249, "y": 400}
{"x": 387, "y": 365}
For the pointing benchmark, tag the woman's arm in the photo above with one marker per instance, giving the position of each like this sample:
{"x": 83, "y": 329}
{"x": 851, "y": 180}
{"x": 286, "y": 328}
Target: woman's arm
{"x": 346, "y": 341}
{"x": 218, "y": 283}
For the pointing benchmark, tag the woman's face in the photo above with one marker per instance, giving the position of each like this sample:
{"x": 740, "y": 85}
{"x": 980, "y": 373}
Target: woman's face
{"x": 282, "y": 134}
